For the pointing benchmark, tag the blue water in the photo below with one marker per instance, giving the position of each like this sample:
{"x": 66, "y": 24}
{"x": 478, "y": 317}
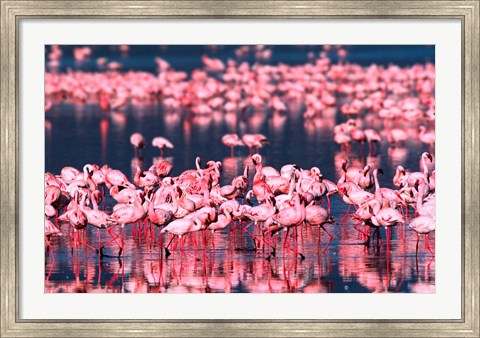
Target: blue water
{"x": 187, "y": 57}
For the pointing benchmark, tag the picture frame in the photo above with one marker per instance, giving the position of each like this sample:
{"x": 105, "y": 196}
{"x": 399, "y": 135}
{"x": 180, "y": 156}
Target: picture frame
{"x": 14, "y": 11}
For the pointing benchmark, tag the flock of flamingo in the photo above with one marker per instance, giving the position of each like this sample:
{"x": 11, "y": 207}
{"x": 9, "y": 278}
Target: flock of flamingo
{"x": 377, "y": 105}
{"x": 195, "y": 201}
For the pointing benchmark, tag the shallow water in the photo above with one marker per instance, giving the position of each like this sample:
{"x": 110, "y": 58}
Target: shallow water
{"x": 80, "y": 134}
{"x": 342, "y": 266}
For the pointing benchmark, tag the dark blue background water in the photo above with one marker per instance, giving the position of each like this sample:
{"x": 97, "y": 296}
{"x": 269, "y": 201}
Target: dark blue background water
{"x": 187, "y": 57}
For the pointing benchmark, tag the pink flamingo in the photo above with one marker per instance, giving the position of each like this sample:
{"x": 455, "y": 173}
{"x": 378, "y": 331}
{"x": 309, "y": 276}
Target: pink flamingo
{"x": 397, "y": 136}
{"x": 138, "y": 142}
{"x": 145, "y": 178}
{"x": 97, "y": 218}
{"x": 116, "y": 177}
{"x": 158, "y": 216}
{"x": 358, "y": 135}
{"x": 223, "y": 221}
{"x": 161, "y": 143}
{"x": 315, "y": 215}
{"x": 401, "y": 177}
{"x": 162, "y": 168}
{"x": 254, "y": 141}
{"x": 50, "y": 230}
{"x": 420, "y": 177}
{"x": 181, "y": 227}
{"x": 79, "y": 221}
{"x": 291, "y": 217}
{"x": 423, "y": 225}
{"x": 385, "y": 217}
{"x": 69, "y": 174}
{"x": 427, "y": 137}
{"x": 231, "y": 141}
{"x": 372, "y": 138}
{"x": 427, "y": 209}
{"x": 127, "y": 215}
{"x": 385, "y": 195}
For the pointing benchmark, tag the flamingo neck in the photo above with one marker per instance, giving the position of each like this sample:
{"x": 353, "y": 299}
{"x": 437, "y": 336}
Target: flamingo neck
{"x": 377, "y": 185}
{"x": 94, "y": 202}
{"x": 425, "y": 167}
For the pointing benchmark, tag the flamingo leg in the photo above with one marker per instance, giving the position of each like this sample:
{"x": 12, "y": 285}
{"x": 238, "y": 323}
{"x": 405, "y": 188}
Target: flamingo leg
{"x": 329, "y": 234}
{"x": 427, "y": 245}
{"x": 418, "y": 239}
{"x": 84, "y": 242}
{"x": 302, "y": 257}
{"x": 114, "y": 239}
{"x": 346, "y": 214}
{"x": 167, "y": 252}
{"x": 120, "y": 251}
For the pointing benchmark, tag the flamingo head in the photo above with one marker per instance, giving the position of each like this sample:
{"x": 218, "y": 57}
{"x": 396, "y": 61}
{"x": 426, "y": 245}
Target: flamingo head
{"x": 256, "y": 159}
{"x": 272, "y": 201}
{"x": 248, "y": 197}
{"x": 88, "y": 170}
{"x": 315, "y": 171}
{"x": 219, "y": 166}
{"x": 366, "y": 170}
{"x": 427, "y": 155}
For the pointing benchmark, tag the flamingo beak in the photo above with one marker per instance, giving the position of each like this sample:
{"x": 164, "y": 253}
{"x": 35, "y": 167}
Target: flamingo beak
{"x": 430, "y": 157}
{"x": 380, "y": 170}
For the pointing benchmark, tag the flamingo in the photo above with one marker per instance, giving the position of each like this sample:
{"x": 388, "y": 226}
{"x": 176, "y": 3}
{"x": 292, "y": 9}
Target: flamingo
{"x": 291, "y": 217}
{"x": 385, "y": 195}
{"x": 50, "y": 230}
{"x": 315, "y": 215}
{"x": 158, "y": 216}
{"x": 254, "y": 141}
{"x": 161, "y": 143}
{"x": 372, "y": 138}
{"x": 223, "y": 221}
{"x": 420, "y": 177}
{"x": 127, "y": 215}
{"x": 79, "y": 221}
{"x": 427, "y": 137}
{"x": 145, "y": 178}
{"x": 231, "y": 141}
{"x": 116, "y": 177}
{"x": 423, "y": 225}
{"x": 397, "y": 136}
{"x": 138, "y": 142}
{"x": 97, "y": 218}
{"x": 181, "y": 227}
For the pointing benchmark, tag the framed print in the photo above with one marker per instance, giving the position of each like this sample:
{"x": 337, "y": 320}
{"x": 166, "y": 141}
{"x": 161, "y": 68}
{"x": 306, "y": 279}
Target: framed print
{"x": 205, "y": 165}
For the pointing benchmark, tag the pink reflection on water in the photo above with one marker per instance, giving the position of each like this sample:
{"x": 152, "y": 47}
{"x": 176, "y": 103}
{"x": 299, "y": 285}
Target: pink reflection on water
{"x": 345, "y": 266}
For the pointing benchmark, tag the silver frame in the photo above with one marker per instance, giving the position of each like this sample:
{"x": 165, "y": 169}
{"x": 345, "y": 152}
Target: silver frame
{"x": 13, "y": 11}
